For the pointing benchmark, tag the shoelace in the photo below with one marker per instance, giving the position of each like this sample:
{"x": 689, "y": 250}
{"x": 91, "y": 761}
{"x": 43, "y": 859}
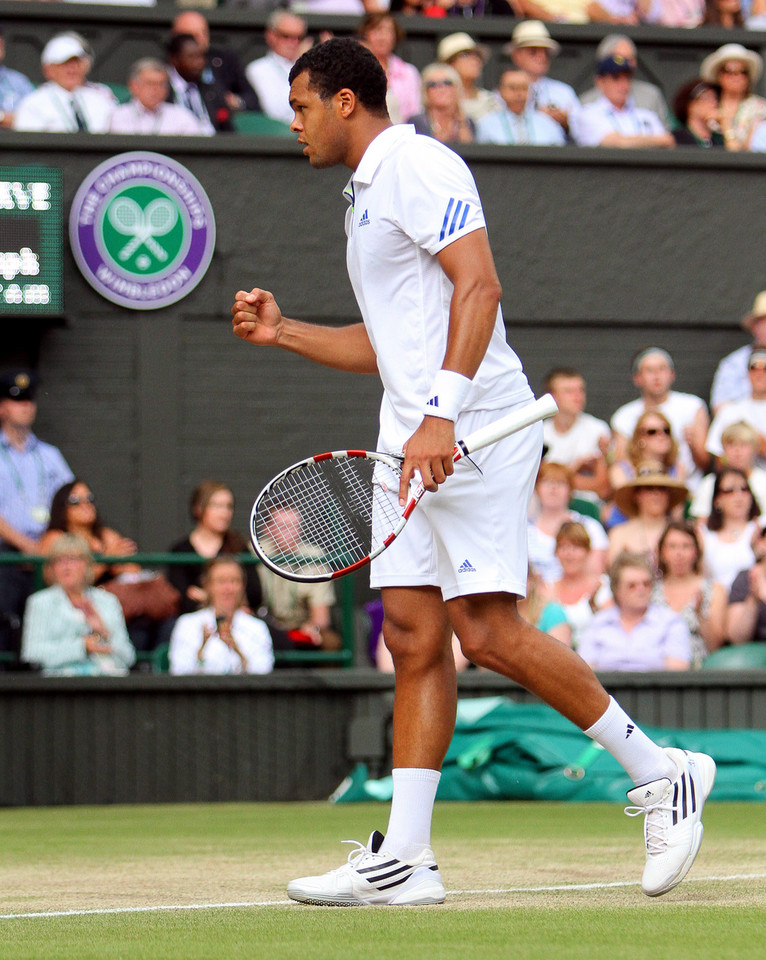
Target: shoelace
{"x": 356, "y": 856}
{"x": 654, "y": 827}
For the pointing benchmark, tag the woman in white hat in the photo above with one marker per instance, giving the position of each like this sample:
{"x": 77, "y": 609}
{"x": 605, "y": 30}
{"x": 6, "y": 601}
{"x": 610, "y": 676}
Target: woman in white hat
{"x": 462, "y": 52}
{"x": 736, "y": 71}
{"x": 648, "y": 500}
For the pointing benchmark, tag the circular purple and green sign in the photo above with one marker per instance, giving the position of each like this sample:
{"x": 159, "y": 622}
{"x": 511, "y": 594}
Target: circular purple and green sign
{"x": 142, "y": 230}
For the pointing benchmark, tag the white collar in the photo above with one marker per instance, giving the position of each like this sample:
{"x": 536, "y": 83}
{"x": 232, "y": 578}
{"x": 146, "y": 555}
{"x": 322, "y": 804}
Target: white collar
{"x": 376, "y": 151}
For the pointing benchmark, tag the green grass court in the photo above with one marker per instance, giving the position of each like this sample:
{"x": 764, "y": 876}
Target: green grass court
{"x": 206, "y": 882}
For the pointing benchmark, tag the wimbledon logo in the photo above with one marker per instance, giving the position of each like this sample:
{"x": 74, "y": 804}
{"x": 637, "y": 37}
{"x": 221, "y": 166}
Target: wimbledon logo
{"x": 142, "y": 230}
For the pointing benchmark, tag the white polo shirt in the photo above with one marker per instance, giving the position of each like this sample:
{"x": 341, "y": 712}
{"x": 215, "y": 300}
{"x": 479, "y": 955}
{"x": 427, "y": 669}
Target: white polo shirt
{"x": 600, "y": 118}
{"x": 410, "y": 197}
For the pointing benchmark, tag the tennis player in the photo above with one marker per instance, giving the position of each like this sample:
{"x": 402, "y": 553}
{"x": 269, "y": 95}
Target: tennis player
{"x": 424, "y": 277}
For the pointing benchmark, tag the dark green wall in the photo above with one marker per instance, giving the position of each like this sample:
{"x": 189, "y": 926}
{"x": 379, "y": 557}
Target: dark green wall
{"x": 599, "y": 252}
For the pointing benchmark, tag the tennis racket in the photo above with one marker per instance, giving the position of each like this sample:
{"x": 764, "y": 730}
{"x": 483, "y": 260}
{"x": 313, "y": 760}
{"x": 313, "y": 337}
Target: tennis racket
{"x": 325, "y": 516}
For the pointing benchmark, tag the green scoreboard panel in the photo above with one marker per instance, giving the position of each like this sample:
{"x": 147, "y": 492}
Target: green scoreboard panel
{"x": 31, "y": 278}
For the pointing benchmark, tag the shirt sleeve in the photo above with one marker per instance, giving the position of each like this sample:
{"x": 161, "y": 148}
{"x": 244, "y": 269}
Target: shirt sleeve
{"x": 678, "y": 642}
{"x": 185, "y": 641}
{"x": 439, "y": 202}
{"x": 740, "y": 588}
{"x": 591, "y": 128}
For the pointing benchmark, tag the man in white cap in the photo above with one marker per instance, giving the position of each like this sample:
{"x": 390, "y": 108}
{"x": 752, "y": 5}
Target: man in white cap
{"x": 465, "y": 55}
{"x": 731, "y": 379}
{"x": 64, "y": 104}
{"x": 532, "y": 50}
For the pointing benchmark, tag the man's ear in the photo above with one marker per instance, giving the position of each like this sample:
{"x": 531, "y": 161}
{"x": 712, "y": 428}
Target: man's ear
{"x": 347, "y": 101}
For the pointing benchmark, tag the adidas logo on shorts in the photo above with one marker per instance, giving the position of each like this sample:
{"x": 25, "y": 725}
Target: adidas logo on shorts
{"x": 466, "y": 567}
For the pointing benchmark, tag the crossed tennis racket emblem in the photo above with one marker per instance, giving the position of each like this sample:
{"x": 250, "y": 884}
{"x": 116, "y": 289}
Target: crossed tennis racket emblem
{"x": 143, "y": 225}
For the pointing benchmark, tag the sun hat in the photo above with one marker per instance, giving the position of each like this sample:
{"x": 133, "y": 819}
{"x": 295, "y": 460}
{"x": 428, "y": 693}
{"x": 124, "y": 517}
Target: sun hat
{"x": 649, "y": 474}
{"x": 758, "y": 311}
{"x": 531, "y": 33}
{"x": 455, "y": 43}
{"x": 731, "y": 51}
{"x": 62, "y": 48}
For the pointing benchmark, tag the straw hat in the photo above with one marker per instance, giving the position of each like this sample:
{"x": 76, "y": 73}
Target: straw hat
{"x": 531, "y": 33}
{"x": 758, "y": 311}
{"x": 455, "y": 43}
{"x": 649, "y": 474}
{"x": 731, "y": 51}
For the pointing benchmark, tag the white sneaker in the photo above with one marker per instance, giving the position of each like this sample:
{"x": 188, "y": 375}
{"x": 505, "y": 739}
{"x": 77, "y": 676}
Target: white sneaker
{"x": 373, "y": 877}
{"x": 673, "y": 826}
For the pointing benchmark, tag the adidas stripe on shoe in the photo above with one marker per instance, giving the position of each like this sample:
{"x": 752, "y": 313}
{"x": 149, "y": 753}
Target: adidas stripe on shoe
{"x": 372, "y": 877}
{"x": 673, "y": 826}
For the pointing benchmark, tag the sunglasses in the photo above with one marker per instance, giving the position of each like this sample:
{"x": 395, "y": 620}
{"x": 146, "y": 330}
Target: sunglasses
{"x": 439, "y": 83}
{"x": 734, "y": 71}
{"x": 653, "y": 431}
{"x": 757, "y": 366}
{"x": 290, "y": 36}
{"x": 76, "y": 501}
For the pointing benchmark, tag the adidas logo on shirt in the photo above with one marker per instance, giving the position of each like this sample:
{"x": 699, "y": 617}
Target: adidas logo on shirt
{"x": 365, "y": 220}
{"x": 466, "y": 567}
{"x": 455, "y": 217}
{"x": 433, "y": 402}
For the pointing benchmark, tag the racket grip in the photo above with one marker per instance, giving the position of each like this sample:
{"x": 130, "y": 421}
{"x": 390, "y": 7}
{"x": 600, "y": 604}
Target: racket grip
{"x": 511, "y": 423}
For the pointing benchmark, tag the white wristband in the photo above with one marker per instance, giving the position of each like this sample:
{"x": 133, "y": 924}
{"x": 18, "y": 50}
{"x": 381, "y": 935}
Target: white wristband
{"x": 447, "y": 395}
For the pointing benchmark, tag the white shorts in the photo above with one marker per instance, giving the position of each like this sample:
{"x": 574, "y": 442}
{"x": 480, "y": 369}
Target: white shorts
{"x": 471, "y": 535}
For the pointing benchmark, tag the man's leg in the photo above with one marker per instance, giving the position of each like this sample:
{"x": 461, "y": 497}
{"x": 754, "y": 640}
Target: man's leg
{"x": 671, "y": 785}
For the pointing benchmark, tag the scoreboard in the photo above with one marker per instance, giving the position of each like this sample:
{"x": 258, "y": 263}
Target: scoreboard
{"x": 31, "y": 238}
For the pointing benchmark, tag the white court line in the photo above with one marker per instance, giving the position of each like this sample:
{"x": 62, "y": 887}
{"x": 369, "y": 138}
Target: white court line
{"x": 107, "y": 911}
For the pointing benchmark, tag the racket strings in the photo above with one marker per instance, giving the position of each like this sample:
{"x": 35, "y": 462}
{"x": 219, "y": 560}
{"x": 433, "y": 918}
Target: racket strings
{"x": 344, "y": 509}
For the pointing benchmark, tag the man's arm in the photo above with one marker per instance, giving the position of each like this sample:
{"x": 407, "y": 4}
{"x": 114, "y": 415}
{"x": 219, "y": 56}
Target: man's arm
{"x": 17, "y": 539}
{"x": 640, "y": 140}
{"x": 256, "y": 318}
{"x": 469, "y": 265}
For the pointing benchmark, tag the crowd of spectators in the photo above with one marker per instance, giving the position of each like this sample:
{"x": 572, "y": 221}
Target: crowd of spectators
{"x": 200, "y": 89}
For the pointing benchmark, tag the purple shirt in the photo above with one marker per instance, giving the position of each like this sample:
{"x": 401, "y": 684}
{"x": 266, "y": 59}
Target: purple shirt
{"x": 661, "y": 634}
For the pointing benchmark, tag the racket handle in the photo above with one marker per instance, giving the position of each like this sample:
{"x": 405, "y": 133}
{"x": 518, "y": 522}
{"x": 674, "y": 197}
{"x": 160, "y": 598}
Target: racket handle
{"x": 511, "y": 423}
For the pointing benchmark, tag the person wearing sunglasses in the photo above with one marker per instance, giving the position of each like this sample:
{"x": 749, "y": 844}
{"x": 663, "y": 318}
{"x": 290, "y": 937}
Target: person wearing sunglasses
{"x": 654, "y": 375}
{"x": 751, "y": 410}
{"x": 442, "y": 116}
{"x": 739, "y": 442}
{"x": 285, "y": 36}
{"x": 736, "y": 71}
{"x": 731, "y": 529}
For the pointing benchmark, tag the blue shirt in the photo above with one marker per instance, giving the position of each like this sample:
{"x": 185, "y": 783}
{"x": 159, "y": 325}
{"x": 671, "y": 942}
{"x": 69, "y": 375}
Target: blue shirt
{"x": 662, "y": 634}
{"x": 14, "y": 86}
{"x": 531, "y": 126}
{"x": 28, "y": 480}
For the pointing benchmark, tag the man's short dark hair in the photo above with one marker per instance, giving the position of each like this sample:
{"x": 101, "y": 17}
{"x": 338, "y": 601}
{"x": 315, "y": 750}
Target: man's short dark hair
{"x": 340, "y": 64}
{"x": 178, "y": 41}
{"x": 560, "y": 373}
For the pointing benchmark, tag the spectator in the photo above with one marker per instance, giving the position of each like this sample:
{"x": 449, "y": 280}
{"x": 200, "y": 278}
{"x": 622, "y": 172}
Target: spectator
{"x": 645, "y": 95}
{"x": 731, "y": 528}
{"x": 30, "y": 473}
{"x": 222, "y": 66}
{"x": 285, "y": 36}
{"x": 212, "y": 510}
{"x": 731, "y": 381}
{"x": 654, "y": 374}
{"x": 149, "y": 602}
{"x": 462, "y": 52}
{"x": 553, "y": 490}
{"x": 443, "y": 117}
{"x": 752, "y": 410}
{"x": 567, "y": 11}
{"x": 221, "y": 638}
{"x": 381, "y": 34}
{"x": 303, "y": 610}
{"x": 746, "y": 614}
{"x": 739, "y": 442}
{"x": 580, "y": 592}
{"x": 676, "y": 13}
{"x": 683, "y": 588}
{"x": 148, "y": 112}
{"x": 635, "y": 634}
{"x": 736, "y": 71}
{"x": 648, "y": 501}
{"x": 532, "y": 49}
{"x": 352, "y": 8}
{"x": 723, "y": 13}
{"x": 64, "y": 104}
{"x": 14, "y": 86}
{"x": 207, "y": 101}
{"x": 575, "y": 438}
{"x": 542, "y": 611}
{"x": 696, "y": 109}
{"x": 517, "y": 121}
{"x": 652, "y": 440}
{"x": 614, "y": 120}
{"x": 73, "y": 628}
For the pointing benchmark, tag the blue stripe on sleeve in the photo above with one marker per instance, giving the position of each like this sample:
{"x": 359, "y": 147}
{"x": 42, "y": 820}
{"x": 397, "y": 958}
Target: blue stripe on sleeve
{"x": 455, "y": 216}
{"x": 446, "y": 218}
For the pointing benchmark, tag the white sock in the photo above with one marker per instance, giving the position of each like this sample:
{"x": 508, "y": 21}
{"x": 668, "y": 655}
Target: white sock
{"x": 642, "y": 759}
{"x": 412, "y": 804}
